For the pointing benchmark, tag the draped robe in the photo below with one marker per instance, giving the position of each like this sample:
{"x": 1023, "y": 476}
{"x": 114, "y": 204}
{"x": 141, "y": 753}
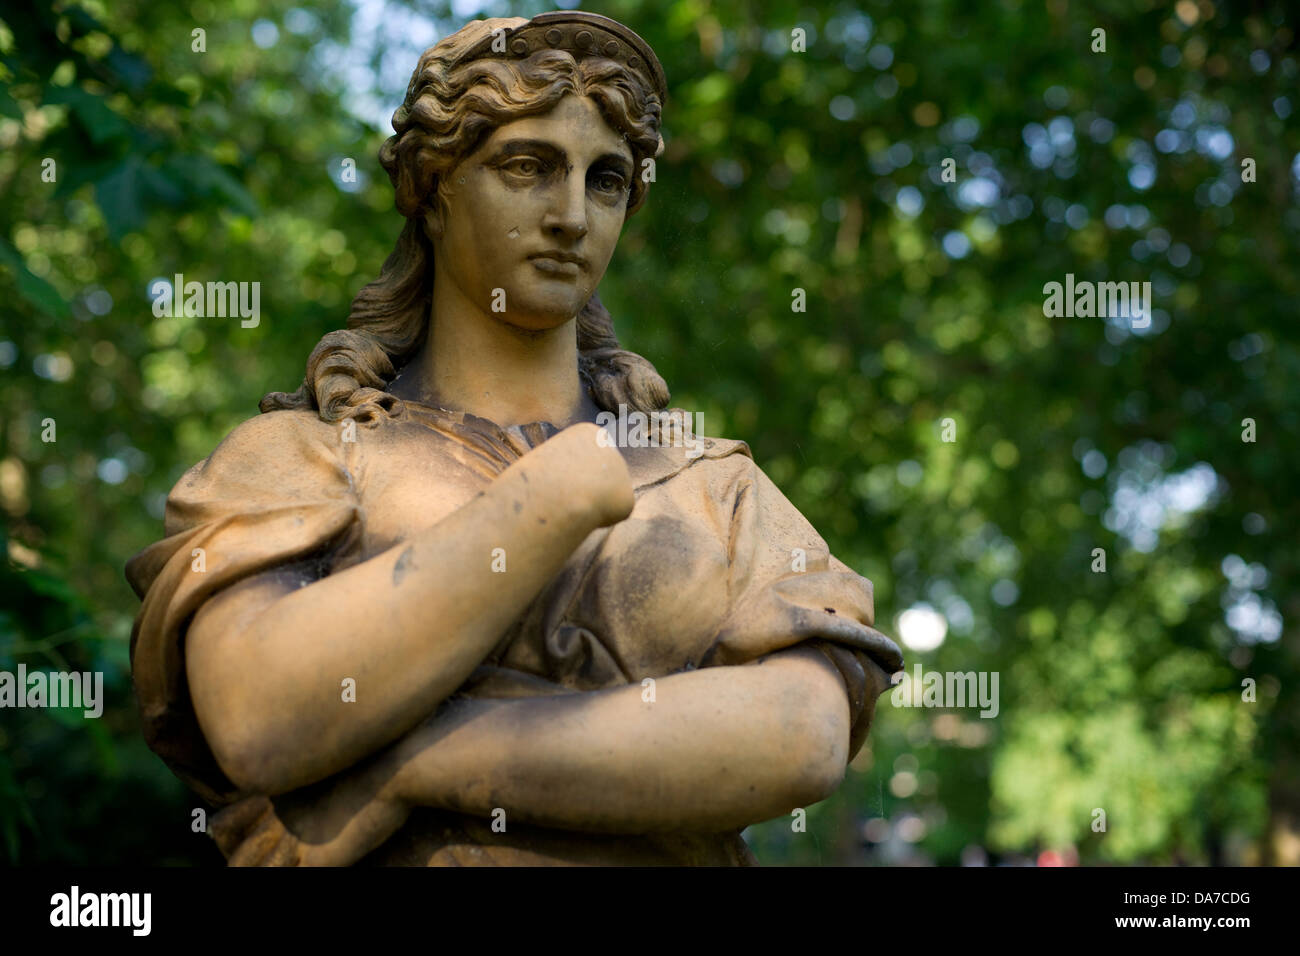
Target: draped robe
{"x": 713, "y": 567}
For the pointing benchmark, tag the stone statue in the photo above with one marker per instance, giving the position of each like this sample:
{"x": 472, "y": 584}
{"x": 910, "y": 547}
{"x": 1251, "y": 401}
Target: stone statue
{"x": 424, "y": 610}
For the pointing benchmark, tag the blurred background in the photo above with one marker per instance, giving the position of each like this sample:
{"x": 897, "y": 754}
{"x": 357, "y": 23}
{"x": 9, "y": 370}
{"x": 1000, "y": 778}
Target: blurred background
{"x": 1160, "y": 690}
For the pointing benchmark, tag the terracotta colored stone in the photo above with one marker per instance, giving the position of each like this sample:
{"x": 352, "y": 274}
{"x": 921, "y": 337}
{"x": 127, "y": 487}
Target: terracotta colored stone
{"x": 424, "y": 611}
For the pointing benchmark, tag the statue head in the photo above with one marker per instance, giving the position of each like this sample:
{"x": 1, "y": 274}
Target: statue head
{"x": 493, "y": 117}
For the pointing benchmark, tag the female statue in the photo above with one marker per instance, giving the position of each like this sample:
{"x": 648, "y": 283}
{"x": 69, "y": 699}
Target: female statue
{"x": 416, "y": 613}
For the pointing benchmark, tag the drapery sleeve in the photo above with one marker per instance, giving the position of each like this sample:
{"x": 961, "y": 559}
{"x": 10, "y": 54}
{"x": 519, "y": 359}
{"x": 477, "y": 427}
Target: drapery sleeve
{"x": 785, "y": 588}
{"x": 277, "y": 491}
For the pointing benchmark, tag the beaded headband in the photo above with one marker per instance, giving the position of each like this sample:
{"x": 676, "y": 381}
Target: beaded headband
{"x": 581, "y": 35}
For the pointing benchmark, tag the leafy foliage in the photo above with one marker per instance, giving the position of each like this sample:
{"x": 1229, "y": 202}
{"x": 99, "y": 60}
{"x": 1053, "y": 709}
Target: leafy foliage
{"x": 818, "y": 170}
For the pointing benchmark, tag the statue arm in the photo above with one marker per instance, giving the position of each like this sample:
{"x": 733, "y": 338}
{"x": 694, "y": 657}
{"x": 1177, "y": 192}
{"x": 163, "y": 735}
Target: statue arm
{"x": 719, "y": 748}
{"x": 266, "y": 658}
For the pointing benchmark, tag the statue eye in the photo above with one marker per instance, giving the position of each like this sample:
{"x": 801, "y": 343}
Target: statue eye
{"x": 522, "y": 166}
{"x": 609, "y": 181}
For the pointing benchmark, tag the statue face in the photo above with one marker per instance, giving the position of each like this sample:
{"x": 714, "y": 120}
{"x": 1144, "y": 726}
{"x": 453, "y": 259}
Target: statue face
{"x": 535, "y": 211}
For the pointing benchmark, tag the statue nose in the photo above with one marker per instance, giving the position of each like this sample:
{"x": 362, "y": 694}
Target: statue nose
{"x": 568, "y": 213}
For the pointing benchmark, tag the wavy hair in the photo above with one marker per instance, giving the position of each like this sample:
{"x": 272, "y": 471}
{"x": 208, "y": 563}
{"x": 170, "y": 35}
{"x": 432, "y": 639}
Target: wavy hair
{"x": 448, "y": 112}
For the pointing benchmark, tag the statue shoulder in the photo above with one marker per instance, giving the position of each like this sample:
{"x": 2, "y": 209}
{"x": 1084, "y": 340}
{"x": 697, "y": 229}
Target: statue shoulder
{"x": 671, "y": 443}
{"x": 281, "y": 437}
{"x": 281, "y": 455}
{"x": 283, "y": 430}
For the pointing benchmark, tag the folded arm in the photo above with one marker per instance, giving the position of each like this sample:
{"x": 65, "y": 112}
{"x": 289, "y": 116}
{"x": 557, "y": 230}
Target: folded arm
{"x": 719, "y": 748}
{"x": 266, "y": 658}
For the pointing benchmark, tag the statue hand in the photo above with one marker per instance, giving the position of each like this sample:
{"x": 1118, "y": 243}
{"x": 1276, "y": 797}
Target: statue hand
{"x": 587, "y": 476}
{"x": 334, "y": 823}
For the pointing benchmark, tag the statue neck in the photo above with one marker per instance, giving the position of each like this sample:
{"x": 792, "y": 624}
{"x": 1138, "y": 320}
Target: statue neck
{"x": 473, "y": 361}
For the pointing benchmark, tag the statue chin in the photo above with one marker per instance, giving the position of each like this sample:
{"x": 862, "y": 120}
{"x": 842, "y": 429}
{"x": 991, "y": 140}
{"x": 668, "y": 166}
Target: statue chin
{"x": 542, "y": 310}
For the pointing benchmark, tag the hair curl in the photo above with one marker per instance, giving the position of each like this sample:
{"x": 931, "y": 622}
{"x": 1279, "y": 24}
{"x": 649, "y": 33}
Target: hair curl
{"x": 448, "y": 112}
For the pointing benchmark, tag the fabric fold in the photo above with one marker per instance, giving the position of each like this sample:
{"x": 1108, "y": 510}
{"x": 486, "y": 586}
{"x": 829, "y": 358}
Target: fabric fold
{"x": 714, "y": 567}
{"x": 272, "y": 495}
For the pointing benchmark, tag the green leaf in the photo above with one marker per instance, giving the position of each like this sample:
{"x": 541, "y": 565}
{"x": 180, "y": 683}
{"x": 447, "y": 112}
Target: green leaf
{"x": 121, "y": 196}
{"x": 99, "y": 121}
{"x": 35, "y": 290}
{"x": 8, "y": 105}
{"x": 210, "y": 180}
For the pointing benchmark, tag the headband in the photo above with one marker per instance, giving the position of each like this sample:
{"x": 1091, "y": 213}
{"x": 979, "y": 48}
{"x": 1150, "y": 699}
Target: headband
{"x": 580, "y": 35}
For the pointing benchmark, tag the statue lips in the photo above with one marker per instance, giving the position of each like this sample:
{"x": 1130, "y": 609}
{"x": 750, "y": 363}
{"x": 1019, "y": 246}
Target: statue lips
{"x": 558, "y": 263}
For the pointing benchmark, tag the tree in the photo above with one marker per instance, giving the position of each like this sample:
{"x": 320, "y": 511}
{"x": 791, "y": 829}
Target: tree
{"x": 953, "y": 442}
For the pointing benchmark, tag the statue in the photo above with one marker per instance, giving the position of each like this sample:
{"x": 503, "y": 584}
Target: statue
{"x": 424, "y": 610}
